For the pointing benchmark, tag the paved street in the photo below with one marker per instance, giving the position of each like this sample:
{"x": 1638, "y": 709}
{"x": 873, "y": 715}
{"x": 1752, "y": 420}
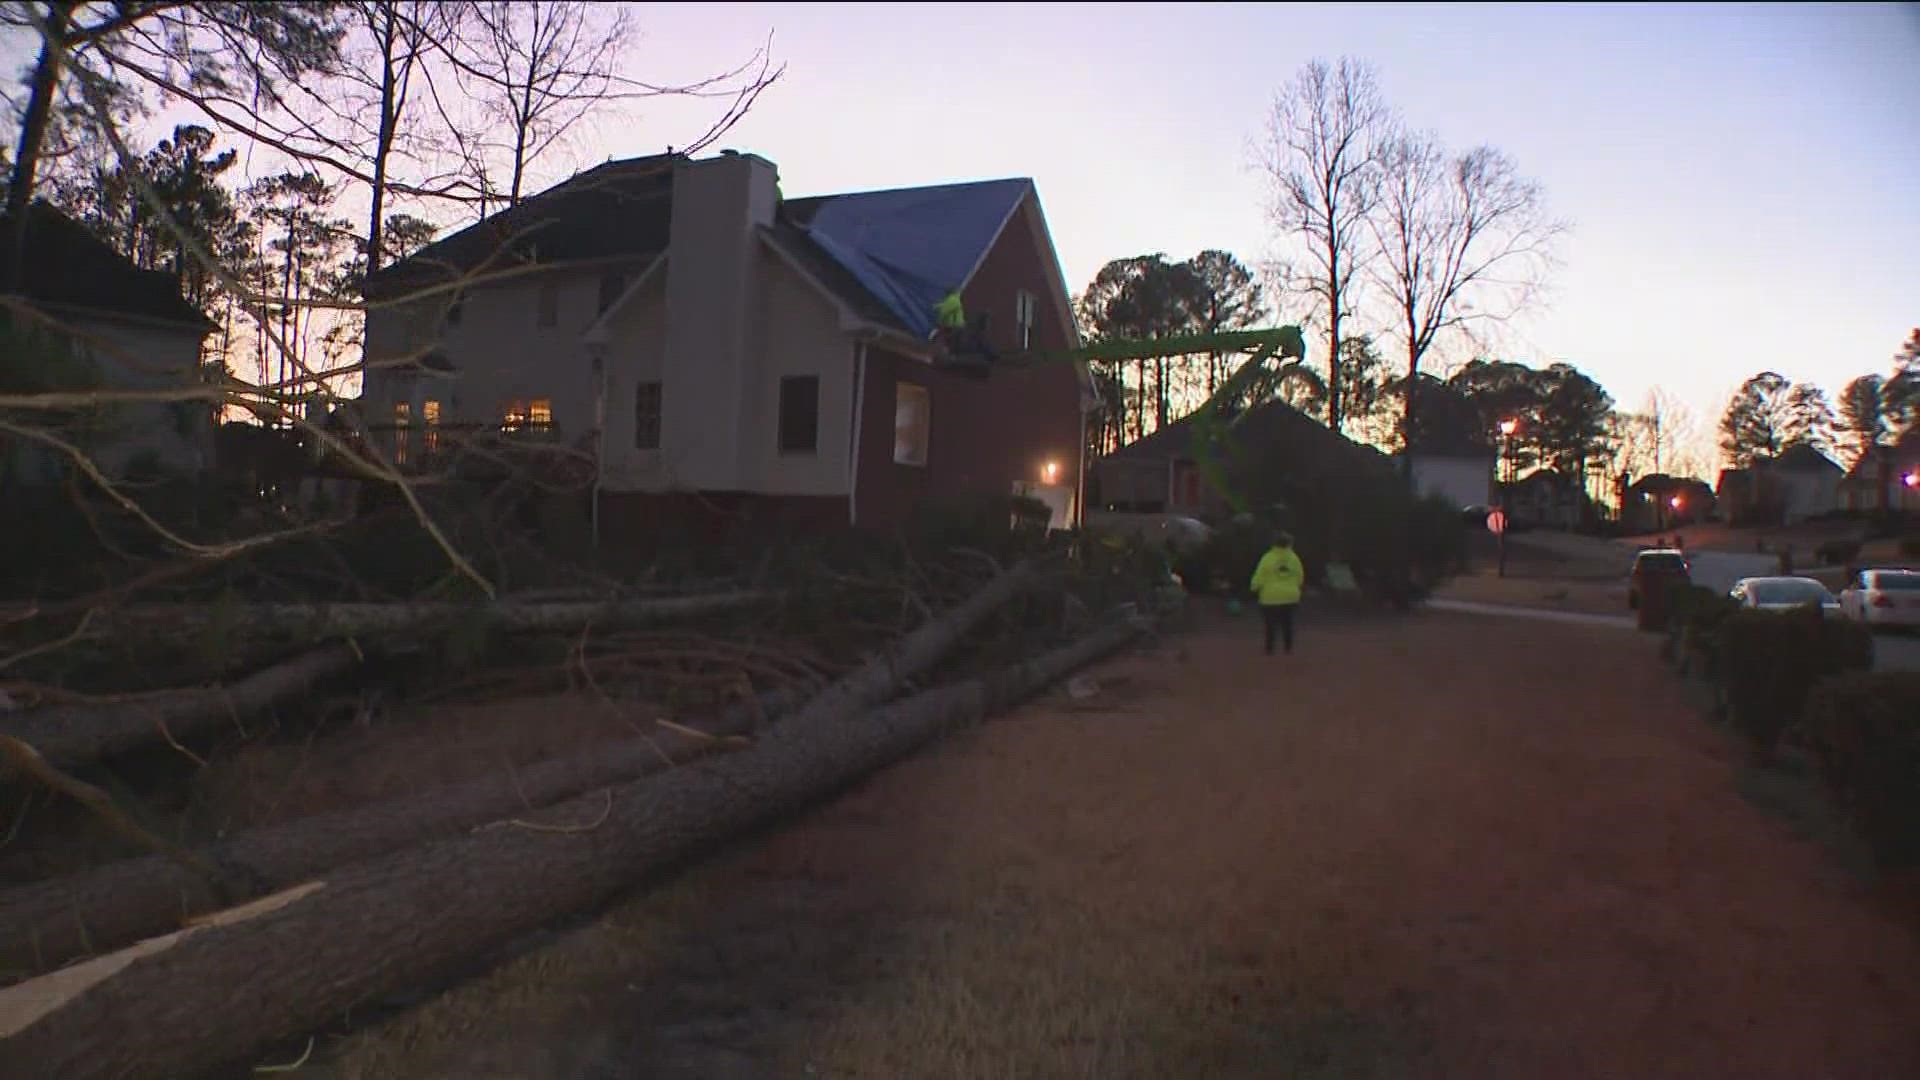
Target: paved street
{"x": 1896, "y": 652}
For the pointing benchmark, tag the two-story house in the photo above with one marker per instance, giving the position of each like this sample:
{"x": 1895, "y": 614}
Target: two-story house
{"x": 718, "y": 348}
{"x": 86, "y": 317}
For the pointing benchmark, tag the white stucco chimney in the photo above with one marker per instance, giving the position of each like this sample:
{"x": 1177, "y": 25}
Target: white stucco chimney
{"x": 718, "y": 204}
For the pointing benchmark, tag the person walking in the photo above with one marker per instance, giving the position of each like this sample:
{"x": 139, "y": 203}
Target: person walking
{"x": 1276, "y": 586}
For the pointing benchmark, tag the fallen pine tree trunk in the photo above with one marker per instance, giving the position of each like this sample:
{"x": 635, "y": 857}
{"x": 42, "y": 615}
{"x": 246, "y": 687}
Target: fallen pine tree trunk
{"x": 74, "y": 734}
{"x": 322, "y": 621}
{"x": 48, "y": 923}
{"x": 213, "y": 994}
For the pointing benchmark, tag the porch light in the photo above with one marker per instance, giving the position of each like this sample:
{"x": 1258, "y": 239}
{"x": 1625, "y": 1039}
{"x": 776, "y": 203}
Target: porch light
{"x": 1912, "y": 479}
{"x": 1050, "y": 472}
{"x": 1674, "y": 502}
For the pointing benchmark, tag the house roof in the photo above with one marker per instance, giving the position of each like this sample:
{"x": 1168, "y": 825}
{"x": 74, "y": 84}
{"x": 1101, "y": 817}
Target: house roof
{"x": 796, "y": 244}
{"x": 1803, "y": 458}
{"x": 69, "y": 267}
{"x": 620, "y": 209}
{"x": 1272, "y": 426}
{"x": 889, "y": 256}
{"x": 909, "y": 247}
{"x": 1663, "y": 482}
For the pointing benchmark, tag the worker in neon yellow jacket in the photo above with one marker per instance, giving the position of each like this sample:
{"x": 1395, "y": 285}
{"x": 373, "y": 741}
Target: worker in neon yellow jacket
{"x": 1276, "y": 586}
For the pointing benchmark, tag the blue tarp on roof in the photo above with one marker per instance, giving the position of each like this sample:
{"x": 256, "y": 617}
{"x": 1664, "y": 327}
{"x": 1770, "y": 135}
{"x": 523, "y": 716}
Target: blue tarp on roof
{"x": 912, "y": 246}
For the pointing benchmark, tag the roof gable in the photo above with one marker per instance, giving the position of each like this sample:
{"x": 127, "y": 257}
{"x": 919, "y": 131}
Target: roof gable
{"x": 72, "y": 268}
{"x": 1271, "y": 426}
{"x": 1803, "y": 458}
{"x": 909, "y": 247}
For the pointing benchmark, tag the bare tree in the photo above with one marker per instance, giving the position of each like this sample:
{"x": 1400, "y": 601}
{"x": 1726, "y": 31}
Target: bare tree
{"x": 536, "y": 70}
{"x": 1459, "y": 238}
{"x": 398, "y": 39}
{"x": 1321, "y": 157}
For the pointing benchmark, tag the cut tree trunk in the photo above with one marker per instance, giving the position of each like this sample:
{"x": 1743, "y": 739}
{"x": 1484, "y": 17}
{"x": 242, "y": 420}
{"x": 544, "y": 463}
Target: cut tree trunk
{"x": 72, "y": 735}
{"x": 320, "y": 622}
{"x": 75, "y": 734}
{"x": 48, "y": 923}
{"x": 211, "y": 995}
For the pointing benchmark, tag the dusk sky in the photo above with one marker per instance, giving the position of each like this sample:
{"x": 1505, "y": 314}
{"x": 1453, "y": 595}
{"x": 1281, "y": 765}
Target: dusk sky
{"x": 1743, "y": 180}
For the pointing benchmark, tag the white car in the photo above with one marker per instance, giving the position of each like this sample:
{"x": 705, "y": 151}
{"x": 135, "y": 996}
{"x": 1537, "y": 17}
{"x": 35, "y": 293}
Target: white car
{"x": 1783, "y": 594}
{"x": 1883, "y": 598}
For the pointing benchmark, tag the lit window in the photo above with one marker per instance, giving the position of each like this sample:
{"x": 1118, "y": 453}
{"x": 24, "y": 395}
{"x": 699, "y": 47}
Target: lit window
{"x": 535, "y": 415}
{"x": 646, "y": 416}
{"x": 1023, "y": 309}
{"x": 911, "y": 419}
{"x": 430, "y": 412}
{"x": 799, "y": 414}
{"x": 402, "y": 417}
{"x": 548, "y": 313}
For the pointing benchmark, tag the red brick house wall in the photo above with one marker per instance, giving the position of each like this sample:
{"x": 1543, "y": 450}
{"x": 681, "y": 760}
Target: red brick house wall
{"x": 984, "y": 433}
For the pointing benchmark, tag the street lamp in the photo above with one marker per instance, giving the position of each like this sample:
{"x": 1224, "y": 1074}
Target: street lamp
{"x": 1507, "y": 427}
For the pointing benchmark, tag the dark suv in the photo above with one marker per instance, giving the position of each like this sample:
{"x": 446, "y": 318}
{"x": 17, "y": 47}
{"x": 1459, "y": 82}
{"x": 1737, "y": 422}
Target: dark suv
{"x": 1654, "y": 571}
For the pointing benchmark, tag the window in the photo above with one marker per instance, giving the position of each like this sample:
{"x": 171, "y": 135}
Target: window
{"x": 534, "y": 415}
{"x": 430, "y": 413}
{"x": 612, "y": 284}
{"x": 1023, "y": 309}
{"x": 910, "y": 422}
{"x": 799, "y": 414}
{"x": 549, "y": 305}
{"x": 646, "y": 416}
{"x": 402, "y": 417}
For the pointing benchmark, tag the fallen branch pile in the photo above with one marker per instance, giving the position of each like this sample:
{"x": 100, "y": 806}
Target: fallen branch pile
{"x": 47, "y": 923}
{"x": 214, "y": 993}
{"x": 71, "y": 735}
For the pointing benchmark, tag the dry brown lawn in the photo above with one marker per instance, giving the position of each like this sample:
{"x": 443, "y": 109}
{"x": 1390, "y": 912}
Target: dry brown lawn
{"x": 1433, "y": 846}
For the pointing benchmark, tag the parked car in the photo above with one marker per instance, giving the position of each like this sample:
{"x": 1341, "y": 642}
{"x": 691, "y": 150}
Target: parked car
{"x": 1883, "y": 598}
{"x": 1783, "y": 594}
{"x": 1654, "y": 571}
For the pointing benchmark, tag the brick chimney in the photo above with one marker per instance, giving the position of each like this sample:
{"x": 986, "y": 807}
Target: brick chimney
{"x": 718, "y": 203}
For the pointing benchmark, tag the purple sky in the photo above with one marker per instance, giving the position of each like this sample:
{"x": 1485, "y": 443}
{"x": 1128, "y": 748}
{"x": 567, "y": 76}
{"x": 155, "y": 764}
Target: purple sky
{"x": 1744, "y": 180}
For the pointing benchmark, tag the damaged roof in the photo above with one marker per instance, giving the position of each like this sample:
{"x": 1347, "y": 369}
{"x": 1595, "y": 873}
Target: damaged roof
{"x": 890, "y": 256}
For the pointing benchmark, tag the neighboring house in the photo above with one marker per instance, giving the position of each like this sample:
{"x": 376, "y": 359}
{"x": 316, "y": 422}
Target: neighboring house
{"x": 716, "y": 346}
{"x": 95, "y": 316}
{"x": 1463, "y": 476}
{"x": 1885, "y": 479}
{"x": 1274, "y": 441}
{"x": 1660, "y": 501}
{"x": 1544, "y": 498}
{"x": 1800, "y": 483}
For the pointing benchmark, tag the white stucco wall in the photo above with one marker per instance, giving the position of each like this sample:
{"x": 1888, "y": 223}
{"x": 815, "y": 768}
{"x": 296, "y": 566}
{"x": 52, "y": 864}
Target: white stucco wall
{"x": 149, "y": 357}
{"x": 792, "y": 330}
{"x": 1462, "y": 481}
{"x": 500, "y": 352}
{"x": 798, "y": 333}
{"x": 636, "y": 353}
